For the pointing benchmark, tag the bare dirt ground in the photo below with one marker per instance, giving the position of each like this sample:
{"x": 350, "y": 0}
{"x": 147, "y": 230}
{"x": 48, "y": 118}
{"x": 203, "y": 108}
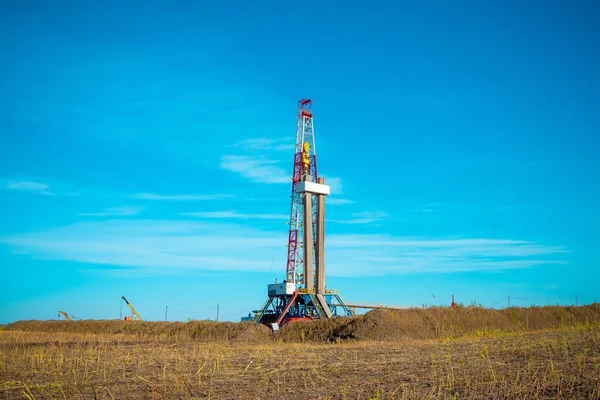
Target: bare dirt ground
{"x": 552, "y": 363}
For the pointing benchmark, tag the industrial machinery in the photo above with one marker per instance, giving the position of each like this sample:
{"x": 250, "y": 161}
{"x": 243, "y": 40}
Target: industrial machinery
{"x": 303, "y": 294}
{"x": 133, "y": 311}
{"x": 65, "y": 315}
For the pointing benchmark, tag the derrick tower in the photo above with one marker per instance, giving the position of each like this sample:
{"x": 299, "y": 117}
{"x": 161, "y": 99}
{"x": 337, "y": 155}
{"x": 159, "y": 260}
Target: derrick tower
{"x": 303, "y": 294}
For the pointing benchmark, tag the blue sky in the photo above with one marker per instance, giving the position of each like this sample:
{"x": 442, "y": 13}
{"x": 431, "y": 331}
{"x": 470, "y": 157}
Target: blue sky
{"x": 146, "y": 151}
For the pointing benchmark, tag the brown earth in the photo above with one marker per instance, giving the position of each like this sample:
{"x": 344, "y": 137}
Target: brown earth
{"x": 435, "y": 353}
{"x": 543, "y": 364}
{"x": 382, "y": 324}
{"x": 438, "y": 322}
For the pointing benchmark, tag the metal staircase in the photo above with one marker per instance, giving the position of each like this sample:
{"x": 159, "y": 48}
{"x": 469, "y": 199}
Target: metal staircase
{"x": 318, "y": 307}
{"x": 349, "y": 312}
{"x": 260, "y": 313}
{"x": 324, "y": 305}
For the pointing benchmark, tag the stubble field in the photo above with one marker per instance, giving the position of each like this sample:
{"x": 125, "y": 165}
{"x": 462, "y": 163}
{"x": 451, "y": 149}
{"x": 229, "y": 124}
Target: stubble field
{"x": 49, "y": 360}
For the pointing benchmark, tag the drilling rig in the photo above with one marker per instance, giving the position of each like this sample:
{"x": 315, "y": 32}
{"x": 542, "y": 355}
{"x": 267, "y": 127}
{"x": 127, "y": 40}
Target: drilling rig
{"x": 303, "y": 294}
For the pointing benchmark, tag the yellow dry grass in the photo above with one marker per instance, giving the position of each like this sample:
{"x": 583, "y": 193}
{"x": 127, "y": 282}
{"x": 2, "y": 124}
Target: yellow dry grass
{"x": 482, "y": 363}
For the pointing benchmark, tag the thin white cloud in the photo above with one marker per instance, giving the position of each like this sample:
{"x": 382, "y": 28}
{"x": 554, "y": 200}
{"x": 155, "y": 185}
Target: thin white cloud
{"x": 159, "y": 246}
{"x": 338, "y": 202}
{"x": 389, "y": 254}
{"x": 266, "y": 166}
{"x": 116, "y": 211}
{"x": 336, "y": 185}
{"x": 180, "y": 197}
{"x": 162, "y": 246}
{"x": 256, "y": 169}
{"x": 267, "y": 144}
{"x": 234, "y": 215}
{"x": 371, "y": 214}
{"x": 365, "y": 217}
{"x": 24, "y": 185}
{"x": 381, "y": 240}
{"x": 431, "y": 207}
{"x": 284, "y": 147}
{"x": 30, "y": 186}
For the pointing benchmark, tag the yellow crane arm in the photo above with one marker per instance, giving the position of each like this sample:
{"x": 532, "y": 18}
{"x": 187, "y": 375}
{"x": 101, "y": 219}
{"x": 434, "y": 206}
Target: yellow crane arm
{"x": 65, "y": 314}
{"x": 132, "y": 309}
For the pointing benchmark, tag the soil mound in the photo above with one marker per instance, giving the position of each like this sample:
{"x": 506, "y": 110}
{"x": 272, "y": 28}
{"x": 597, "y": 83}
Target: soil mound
{"x": 204, "y": 331}
{"x": 437, "y": 322}
{"x": 381, "y": 324}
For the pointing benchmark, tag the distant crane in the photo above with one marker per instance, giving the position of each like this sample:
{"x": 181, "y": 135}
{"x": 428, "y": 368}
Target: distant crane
{"x": 65, "y": 314}
{"x": 132, "y": 310}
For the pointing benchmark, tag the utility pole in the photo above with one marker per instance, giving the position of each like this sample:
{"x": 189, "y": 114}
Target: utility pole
{"x": 576, "y": 304}
{"x": 508, "y": 301}
{"x": 166, "y": 312}
{"x": 217, "y": 313}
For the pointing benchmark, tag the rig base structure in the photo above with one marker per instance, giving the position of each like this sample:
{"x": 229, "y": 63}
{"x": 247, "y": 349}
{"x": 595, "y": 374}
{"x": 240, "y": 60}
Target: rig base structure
{"x": 287, "y": 304}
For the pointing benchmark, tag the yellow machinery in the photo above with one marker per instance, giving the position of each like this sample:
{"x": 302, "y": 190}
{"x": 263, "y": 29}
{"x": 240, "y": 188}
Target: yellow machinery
{"x": 65, "y": 314}
{"x": 132, "y": 310}
{"x": 305, "y": 157}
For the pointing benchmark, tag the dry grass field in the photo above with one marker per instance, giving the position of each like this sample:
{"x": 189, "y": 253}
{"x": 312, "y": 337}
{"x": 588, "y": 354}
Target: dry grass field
{"x": 116, "y": 360}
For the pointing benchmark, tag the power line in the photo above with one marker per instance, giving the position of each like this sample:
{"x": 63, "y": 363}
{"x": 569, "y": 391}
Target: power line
{"x": 413, "y": 269}
{"x": 190, "y": 312}
{"x": 499, "y": 301}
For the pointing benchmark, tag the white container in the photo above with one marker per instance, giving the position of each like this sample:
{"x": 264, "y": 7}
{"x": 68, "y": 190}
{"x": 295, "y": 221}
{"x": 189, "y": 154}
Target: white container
{"x": 282, "y": 289}
{"x": 315, "y": 188}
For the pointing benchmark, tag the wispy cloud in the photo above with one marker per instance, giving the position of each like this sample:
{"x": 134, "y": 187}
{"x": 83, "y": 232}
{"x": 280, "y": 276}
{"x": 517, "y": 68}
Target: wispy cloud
{"x": 161, "y": 246}
{"x": 267, "y": 144}
{"x": 24, "y": 185}
{"x": 234, "y": 215}
{"x": 338, "y": 202}
{"x": 431, "y": 207}
{"x": 116, "y": 211}
{"x": 510, "y": 207}
{"x": 256, "y": 169}
{"x": 267, "y": 166}
{"x": 389, "y": 254}
{"x": 29, "y": 186}
{"x": 180, "y": 197}
{"x": 336, "y": 185}
{"x": 365, "y": 217}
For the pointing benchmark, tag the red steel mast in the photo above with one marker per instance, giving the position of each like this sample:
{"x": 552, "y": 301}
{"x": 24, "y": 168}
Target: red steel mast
{"x": 305, "y": 166}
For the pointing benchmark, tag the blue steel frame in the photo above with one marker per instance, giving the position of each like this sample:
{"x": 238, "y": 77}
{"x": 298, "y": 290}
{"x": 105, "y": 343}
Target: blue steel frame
{"x": 305, "y": 306}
